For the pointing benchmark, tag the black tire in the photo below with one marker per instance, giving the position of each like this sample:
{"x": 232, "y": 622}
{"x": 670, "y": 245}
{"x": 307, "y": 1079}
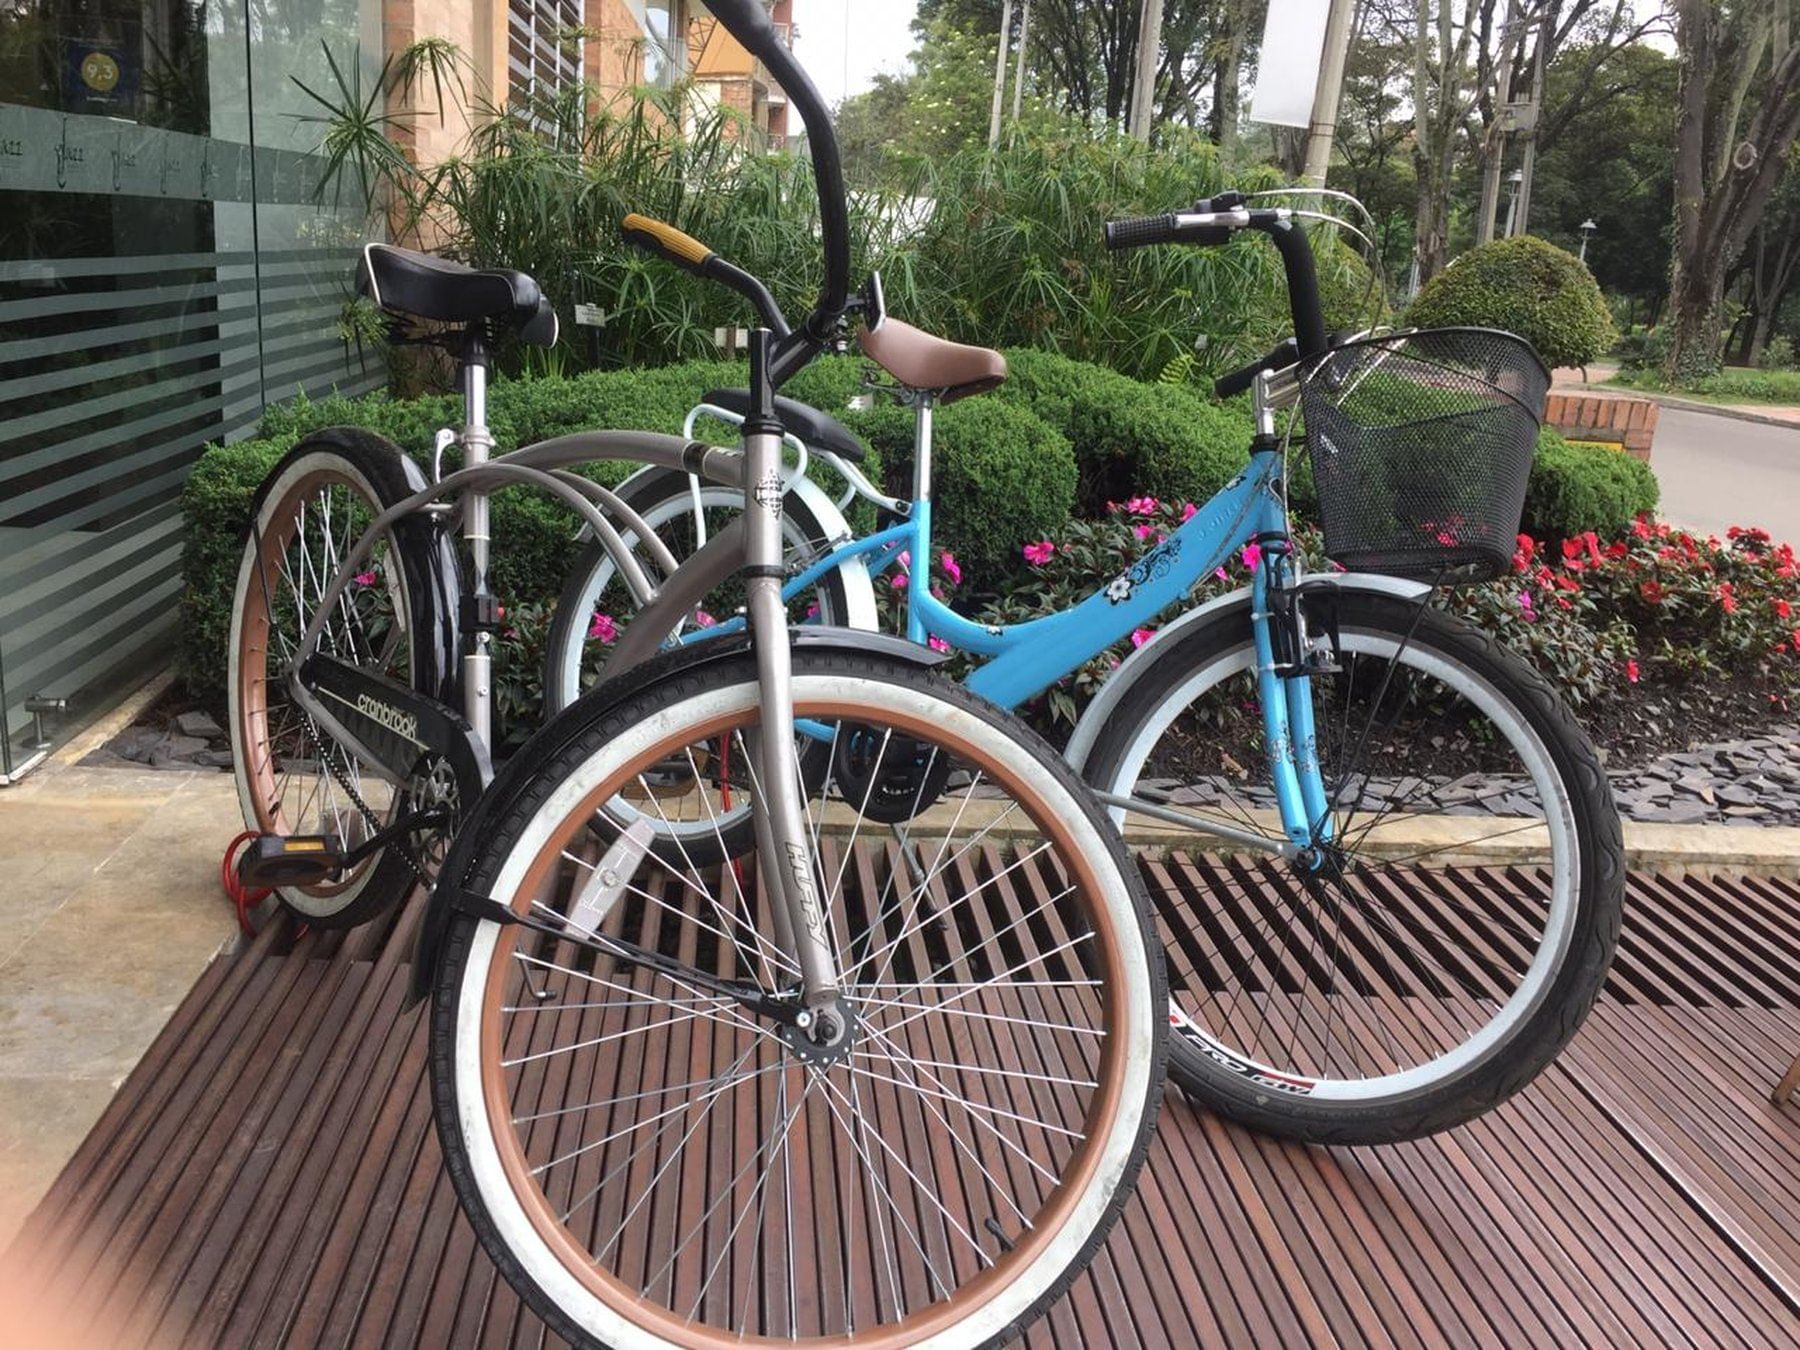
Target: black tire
{"x": 553, "y": 761}
{"x": 1586, "y": 952}
{"x": 650, "y": 492}
{"x": 371, "y": 472}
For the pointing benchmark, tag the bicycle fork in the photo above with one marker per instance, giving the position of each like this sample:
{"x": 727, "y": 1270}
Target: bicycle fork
{"x": 782, "y": 843}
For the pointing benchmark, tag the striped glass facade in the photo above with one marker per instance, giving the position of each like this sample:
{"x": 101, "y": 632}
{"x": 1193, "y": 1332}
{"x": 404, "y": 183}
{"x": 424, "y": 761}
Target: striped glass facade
{"x": 166, "y": 268}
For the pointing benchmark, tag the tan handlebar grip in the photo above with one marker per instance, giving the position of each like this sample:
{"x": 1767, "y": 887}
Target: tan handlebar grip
{"x": 665, "y": 239}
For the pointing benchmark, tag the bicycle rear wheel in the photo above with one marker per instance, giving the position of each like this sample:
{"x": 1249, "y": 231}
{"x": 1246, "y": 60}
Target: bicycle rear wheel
{"x": 293, "y": 777}
{"x": 1445, "y": 948}
{"x": 654, "y": 1158}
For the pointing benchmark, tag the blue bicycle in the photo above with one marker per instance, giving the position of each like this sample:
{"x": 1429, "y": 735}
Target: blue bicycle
{"x": 1388, "y": 862}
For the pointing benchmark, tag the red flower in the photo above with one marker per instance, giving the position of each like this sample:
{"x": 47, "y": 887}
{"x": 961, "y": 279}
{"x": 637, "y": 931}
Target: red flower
{"x": 1618, "y": 549}
{"x": 1783, "y": 610}
{"x": 1727, "y": 601}
{"x": 1571, "y": 550}
{"x": 1641, "y": 527}
{"x": 1631, "y": 670}
{"x": 1652, "y": 592}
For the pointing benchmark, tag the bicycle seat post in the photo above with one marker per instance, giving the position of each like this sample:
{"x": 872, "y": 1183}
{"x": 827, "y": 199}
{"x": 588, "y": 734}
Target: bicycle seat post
{"x": 480, "y": 612}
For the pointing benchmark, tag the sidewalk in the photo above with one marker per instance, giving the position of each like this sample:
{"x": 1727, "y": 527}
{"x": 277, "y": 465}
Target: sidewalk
{"x": 109, "y": 910}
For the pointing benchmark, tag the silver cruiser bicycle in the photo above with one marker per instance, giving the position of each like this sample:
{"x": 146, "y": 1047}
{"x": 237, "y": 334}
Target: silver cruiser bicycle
{"x": 884, "y": 1079}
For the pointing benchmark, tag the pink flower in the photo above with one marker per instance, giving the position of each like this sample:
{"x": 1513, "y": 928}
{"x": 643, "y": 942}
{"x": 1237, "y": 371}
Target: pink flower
{"x": 602, "y": 628}
{"x": 1252, "y": 556}
{"x": 937, "y": 644}
{"x": 905, "y": 559}
{"x": 898, "y": 581}
{"x": 812, "y": 610}
{"x": 1187, "y": 512}
{"x": 1631, "y": 670}
{"x": 705, "y": 620}
{"x": 1525, "y": 604}
{"x": 1447, "y": 539}
{"x": 951, "y": 568}
{"x": 1221, "y": 574}
{"x": 1143, "y": 531}
{"x": 1141, "y": 506}
{"x": 1139, "y": 636}
{"x": 364, "y": 578}
{"x": 1039, "y": 553}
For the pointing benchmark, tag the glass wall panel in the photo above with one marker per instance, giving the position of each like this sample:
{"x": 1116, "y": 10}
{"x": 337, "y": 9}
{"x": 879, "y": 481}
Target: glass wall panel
{"x": 165, "y": 269}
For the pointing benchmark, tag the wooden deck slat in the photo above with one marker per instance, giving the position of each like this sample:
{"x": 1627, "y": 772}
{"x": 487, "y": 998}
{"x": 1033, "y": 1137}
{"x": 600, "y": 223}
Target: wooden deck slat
{"x": 268, "y": 1175}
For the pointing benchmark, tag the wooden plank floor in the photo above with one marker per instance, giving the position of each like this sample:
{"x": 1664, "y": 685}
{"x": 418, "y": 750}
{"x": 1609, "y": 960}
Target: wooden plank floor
{"x": 269, "y": 1176}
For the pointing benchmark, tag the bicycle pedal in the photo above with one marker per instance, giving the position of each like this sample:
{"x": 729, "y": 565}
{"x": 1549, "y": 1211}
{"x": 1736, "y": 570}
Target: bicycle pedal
{"x": 291, "y": 860}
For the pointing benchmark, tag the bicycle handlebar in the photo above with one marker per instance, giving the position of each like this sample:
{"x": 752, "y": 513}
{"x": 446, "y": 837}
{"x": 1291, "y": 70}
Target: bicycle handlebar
{"x": 1214, "y": 221}
{"x": 689, "y": 254}
{"x": 748, "y": 22}
{"x": 1282, "y": 355}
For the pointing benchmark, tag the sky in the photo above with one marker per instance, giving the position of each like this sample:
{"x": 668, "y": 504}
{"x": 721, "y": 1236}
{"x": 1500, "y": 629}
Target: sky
{"x": 844, "y": 44}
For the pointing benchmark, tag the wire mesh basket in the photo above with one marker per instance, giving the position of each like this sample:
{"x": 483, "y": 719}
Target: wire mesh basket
{"x": 1421, "y": 445}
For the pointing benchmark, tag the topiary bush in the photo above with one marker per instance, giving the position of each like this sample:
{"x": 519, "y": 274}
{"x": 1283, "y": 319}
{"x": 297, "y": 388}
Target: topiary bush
{"x": 1526, "y": 286}
{"x": 1128, "y": 437}
{"x": 1001, "y": 476}
{"x": 1578, "y": 488}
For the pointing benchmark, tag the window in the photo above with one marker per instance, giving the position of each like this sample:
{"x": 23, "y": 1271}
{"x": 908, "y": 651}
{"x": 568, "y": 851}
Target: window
{"x": 543, "y": 47}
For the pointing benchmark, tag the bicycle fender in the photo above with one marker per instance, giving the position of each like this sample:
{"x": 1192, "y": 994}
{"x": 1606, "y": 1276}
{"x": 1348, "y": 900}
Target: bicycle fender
{"x": 1118, "y": 688}
{"x": 450, "y": 894}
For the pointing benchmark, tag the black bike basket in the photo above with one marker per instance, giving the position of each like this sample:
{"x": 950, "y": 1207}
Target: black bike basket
{"x": 1421, "y": 445}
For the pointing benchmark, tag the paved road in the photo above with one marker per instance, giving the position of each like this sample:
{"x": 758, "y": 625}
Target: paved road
{"x": 1716, "y": 471}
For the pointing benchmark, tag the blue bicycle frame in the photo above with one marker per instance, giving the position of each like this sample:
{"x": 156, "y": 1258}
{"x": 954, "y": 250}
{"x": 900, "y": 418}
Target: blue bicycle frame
{"x": 1027, "y": 658}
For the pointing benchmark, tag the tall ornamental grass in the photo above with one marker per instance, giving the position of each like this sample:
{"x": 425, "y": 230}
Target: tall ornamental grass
{"x": 1001, "y": 247}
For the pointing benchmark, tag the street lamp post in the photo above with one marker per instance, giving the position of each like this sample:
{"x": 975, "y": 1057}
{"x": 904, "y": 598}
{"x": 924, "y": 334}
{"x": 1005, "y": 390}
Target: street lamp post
{"x": 1587, "y": 229}
{"x": 1513, "y": 180}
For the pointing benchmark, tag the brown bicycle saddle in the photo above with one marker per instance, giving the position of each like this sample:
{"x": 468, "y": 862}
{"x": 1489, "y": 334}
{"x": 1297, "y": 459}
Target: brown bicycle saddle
{"x": 920, "y": 361}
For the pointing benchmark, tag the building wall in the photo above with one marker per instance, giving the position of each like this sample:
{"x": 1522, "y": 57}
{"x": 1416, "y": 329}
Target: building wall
{"x": 166, "y": 268}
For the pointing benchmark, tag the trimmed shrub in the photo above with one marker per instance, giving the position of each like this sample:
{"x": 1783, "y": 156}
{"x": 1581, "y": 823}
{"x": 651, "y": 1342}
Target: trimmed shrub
{"x": 1002, "y": 476}
{"x": 1526, "y": 286}
{"x": 1130, "y": 438}
{"x": 215, "y": 510}
{"x": 1578, "y": 488}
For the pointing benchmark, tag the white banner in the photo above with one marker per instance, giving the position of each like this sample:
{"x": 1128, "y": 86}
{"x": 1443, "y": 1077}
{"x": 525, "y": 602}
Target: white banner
{"x": 1287, "y": 72}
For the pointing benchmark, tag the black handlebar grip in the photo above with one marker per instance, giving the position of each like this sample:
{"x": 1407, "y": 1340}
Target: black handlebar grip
{"x": 1137, "y": 231}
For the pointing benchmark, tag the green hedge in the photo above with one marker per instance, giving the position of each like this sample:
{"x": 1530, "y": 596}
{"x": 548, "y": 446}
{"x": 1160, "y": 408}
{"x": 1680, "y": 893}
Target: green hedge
{"x": 1526, "y": 286}
{"x": 1130, "y": 438}
{"x": 1576, "y": 488}
{"x": 1061, "y": 438}
{"x": 1002, "y": 477}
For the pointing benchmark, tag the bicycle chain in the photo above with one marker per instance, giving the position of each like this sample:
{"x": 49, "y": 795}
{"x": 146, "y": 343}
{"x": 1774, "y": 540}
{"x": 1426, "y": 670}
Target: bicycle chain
{"x": 371, "y": 821}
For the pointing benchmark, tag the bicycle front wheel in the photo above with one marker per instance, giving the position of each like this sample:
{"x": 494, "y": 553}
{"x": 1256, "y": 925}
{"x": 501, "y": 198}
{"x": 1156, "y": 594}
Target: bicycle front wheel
{"x": 647, "y": 1148}
{"x": 1451, "y": 939}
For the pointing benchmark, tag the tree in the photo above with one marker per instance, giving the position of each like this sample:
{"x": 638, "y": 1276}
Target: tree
{"x": 1773, "y": 260}
{"x": 1738, "y": 112}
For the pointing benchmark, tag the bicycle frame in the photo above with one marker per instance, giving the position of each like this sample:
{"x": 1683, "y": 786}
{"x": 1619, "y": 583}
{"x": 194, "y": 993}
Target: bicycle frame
{"x": 1026, "y": 658}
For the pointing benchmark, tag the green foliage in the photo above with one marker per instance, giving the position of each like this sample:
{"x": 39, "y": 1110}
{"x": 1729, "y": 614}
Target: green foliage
{"x": 1778, "y": 354}
{"x": 1578, "y": 488}
{"x": 215, "y": 510}
{"x": 1002, "y": 476}
{"x": 1130, "y": 438}
{"x": 1525, "y": 286}
{"x": 1734, "y": 384}
{"x": 1009, "y": 252}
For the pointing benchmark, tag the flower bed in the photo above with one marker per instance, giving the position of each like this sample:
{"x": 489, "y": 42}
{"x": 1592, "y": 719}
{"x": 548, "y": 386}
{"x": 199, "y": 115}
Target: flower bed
{"x": 1659, "y": 638}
